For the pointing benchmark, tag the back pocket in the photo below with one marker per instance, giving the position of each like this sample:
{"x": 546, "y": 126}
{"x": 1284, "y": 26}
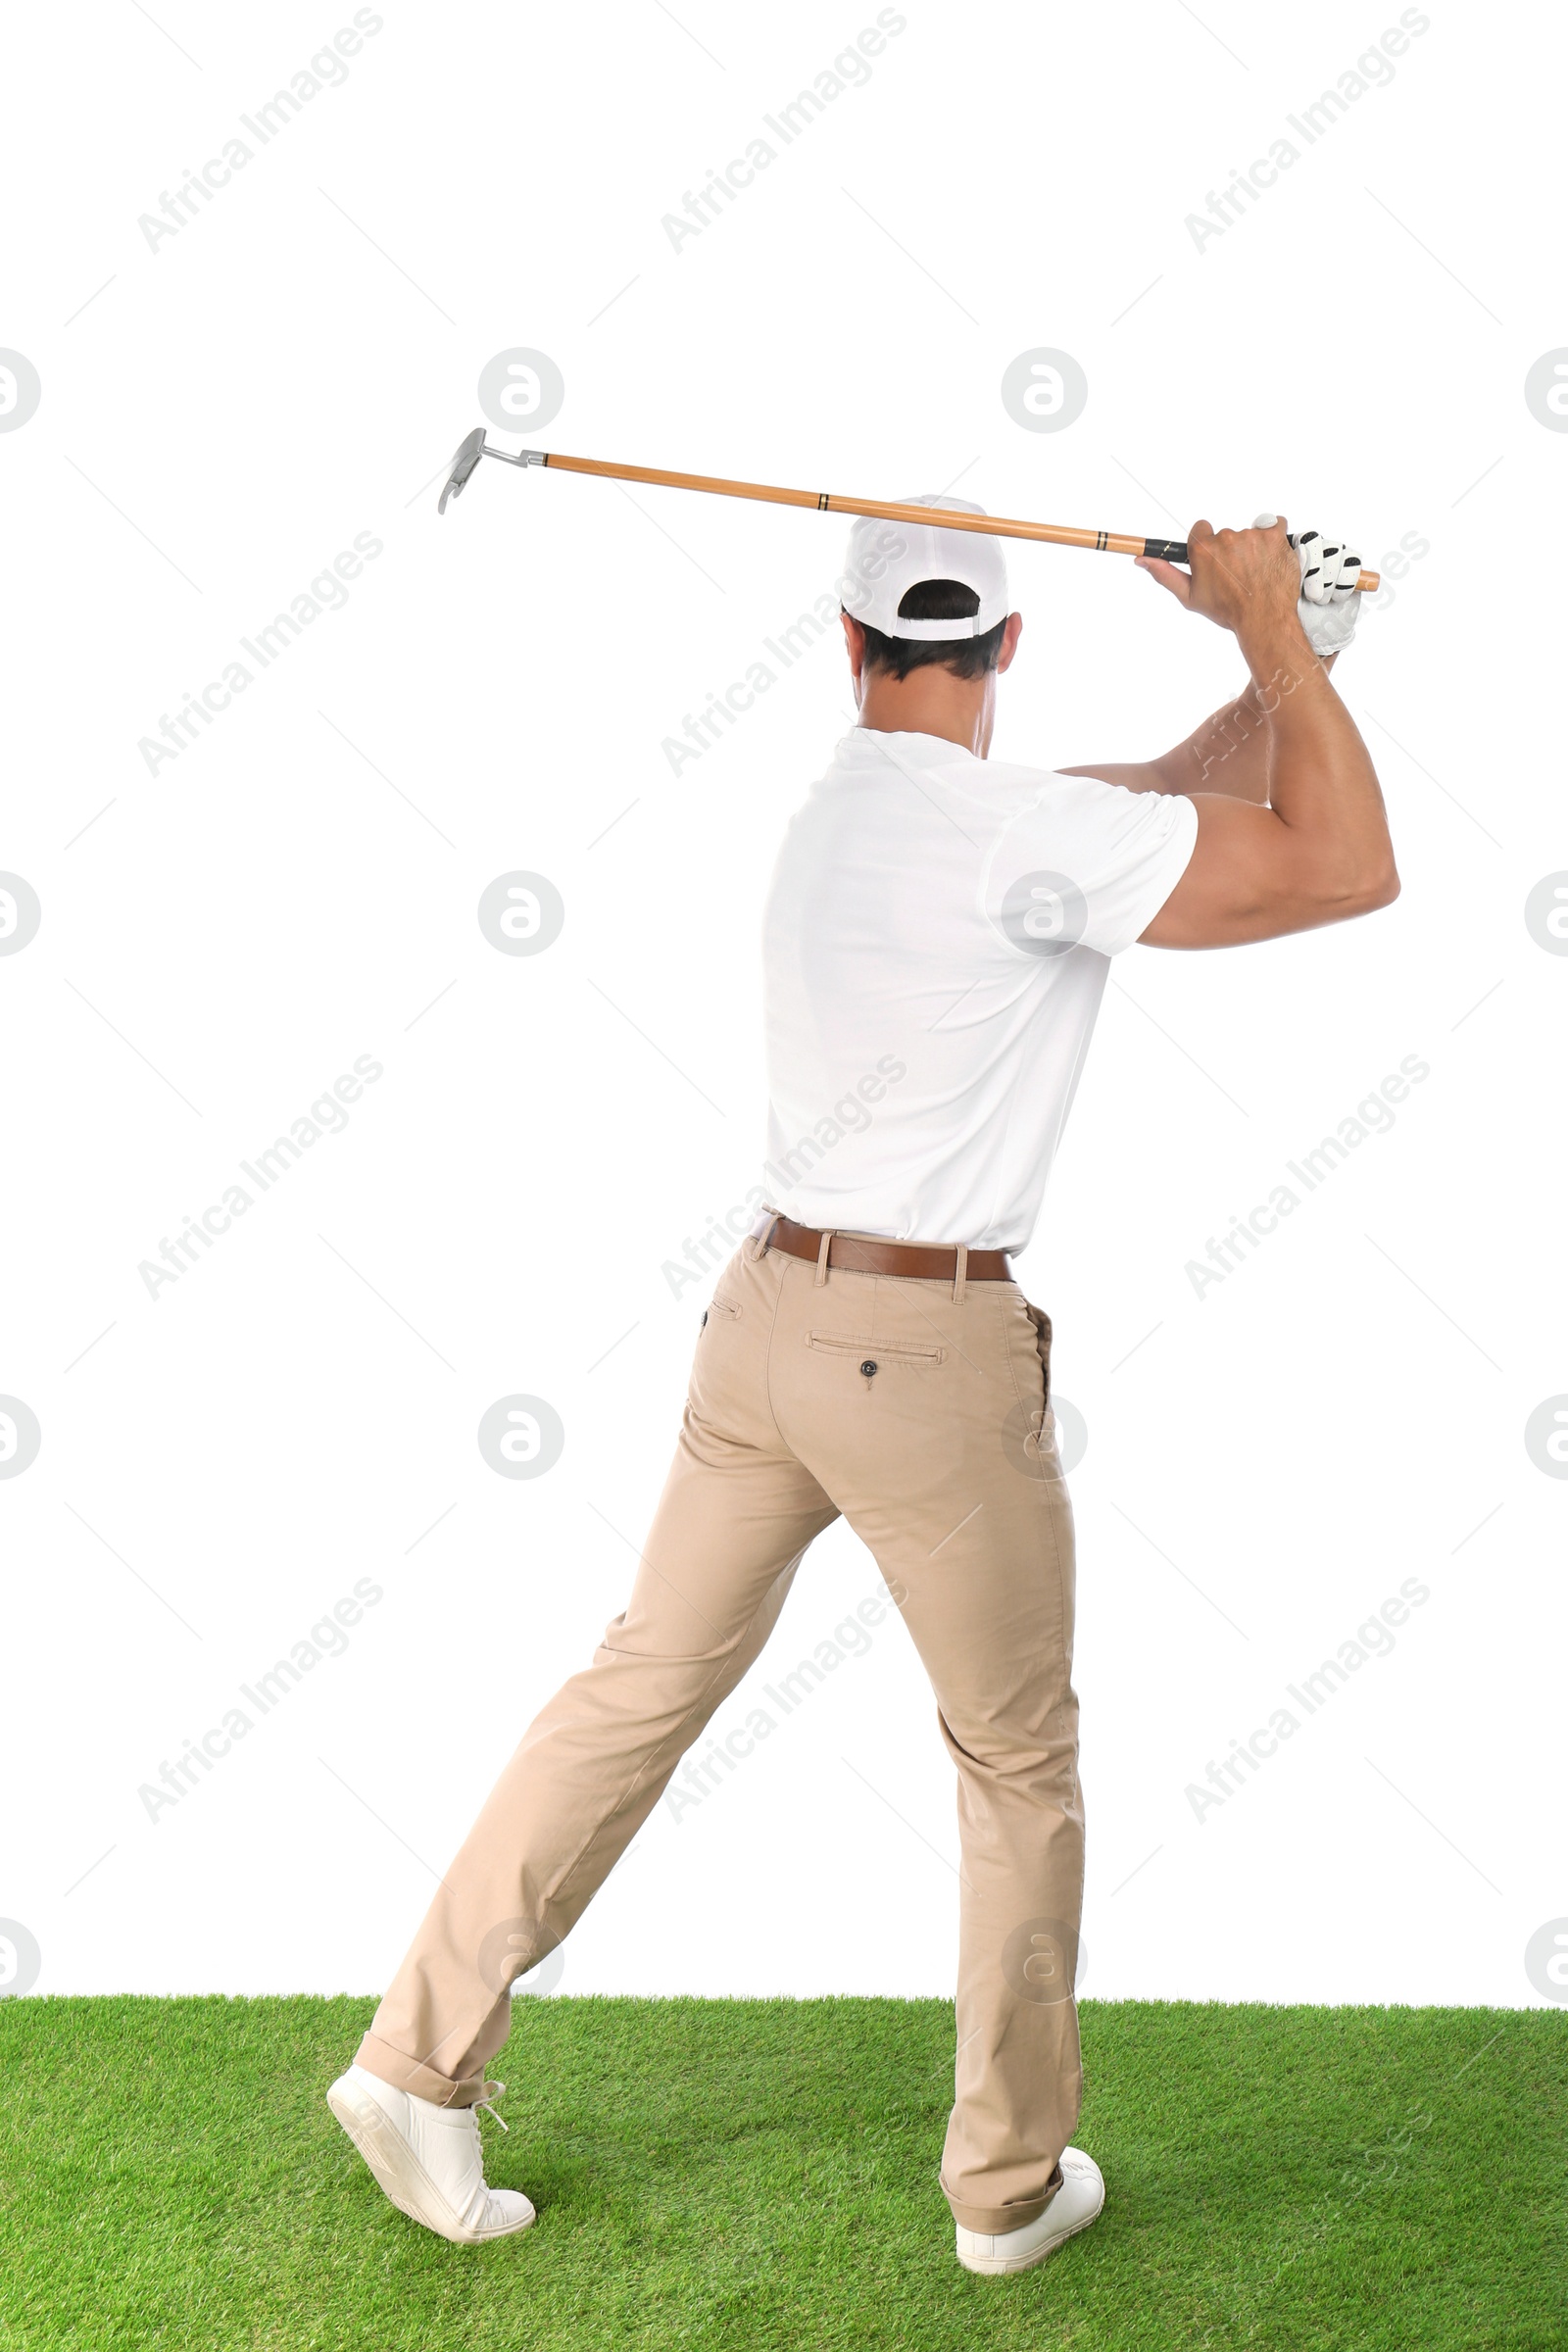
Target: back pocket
{"x": 881, "y": 1351}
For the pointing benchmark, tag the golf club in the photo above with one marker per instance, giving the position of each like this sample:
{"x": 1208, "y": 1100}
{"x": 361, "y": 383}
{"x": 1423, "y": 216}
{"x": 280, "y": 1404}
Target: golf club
{"x": 1057, "y": 534}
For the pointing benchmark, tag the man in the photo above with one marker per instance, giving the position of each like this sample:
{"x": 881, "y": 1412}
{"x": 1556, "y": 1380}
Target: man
{"x": 937, "y": 940}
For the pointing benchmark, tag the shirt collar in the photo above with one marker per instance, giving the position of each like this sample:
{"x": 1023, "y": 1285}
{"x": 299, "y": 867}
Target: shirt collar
{"x": 862, "y": 745}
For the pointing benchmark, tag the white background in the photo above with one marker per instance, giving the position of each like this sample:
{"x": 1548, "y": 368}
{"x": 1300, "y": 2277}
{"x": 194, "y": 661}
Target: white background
{"x": 1266, "y": 1464}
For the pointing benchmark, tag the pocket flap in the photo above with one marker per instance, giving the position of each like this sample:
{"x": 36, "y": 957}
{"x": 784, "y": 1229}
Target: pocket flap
{"x": 884, "y": 1351}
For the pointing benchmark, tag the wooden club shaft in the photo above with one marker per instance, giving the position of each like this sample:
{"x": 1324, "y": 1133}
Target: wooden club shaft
{"x": 882, "y": 509}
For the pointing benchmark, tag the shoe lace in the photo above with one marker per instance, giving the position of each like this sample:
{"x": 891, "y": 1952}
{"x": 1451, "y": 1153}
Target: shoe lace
{"x": 492, "y": 2090}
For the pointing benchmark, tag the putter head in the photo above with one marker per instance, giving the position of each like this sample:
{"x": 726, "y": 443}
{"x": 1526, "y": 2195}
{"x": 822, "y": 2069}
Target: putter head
{"x": 467, "y": 457}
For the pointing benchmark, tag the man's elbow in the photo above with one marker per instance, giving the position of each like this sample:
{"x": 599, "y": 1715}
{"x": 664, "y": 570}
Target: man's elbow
{"x": 1381, "y": 888}
{"x": 1357, "y": 890}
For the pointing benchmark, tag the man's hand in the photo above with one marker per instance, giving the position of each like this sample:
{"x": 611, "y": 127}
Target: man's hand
{"x": 1232, "y": 583}
{"x": 1248, "y": 582}
{"x": 1292, "y": 830}
{"x": 1329, "y": 573}
{"x": 1316, "y": 849}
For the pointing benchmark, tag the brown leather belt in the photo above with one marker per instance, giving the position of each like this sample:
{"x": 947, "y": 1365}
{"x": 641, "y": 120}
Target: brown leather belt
{"x": 918, "y": 1261}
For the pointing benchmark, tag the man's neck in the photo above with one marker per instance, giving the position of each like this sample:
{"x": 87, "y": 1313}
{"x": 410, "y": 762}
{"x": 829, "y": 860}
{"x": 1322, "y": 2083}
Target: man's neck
{"x": 930, "y": 701}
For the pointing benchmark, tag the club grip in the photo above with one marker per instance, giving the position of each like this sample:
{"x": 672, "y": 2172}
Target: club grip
{"x": 1174, "y": 551}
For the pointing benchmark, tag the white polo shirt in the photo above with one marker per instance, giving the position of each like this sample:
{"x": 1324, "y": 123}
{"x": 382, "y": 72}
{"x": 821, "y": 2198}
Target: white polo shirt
{"x": 935, "y": 948}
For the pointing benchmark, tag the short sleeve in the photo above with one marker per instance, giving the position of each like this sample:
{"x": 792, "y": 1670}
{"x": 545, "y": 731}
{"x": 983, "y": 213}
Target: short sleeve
{"x": 1087, "y": 865}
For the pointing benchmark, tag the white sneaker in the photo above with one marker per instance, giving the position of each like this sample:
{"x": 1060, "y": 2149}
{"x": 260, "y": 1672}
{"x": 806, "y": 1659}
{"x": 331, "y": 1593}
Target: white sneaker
{"x": 1076, "y": 2203}
{"x": 428, "y": 2158}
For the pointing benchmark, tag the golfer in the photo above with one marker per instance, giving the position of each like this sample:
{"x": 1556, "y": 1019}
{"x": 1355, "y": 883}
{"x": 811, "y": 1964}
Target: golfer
{"x": 937, "y": 940}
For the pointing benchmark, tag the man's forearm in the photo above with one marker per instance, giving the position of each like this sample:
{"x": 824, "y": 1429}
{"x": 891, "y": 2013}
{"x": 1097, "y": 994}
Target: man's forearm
{"x": 1315, "y": 847}
{"x": 1320, "y": 780}
{"x": 1227, "y": 754}
{"x": 1230, "y": 751}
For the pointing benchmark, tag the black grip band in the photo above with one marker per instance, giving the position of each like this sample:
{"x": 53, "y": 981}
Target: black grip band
{"x": 1168, "y": 551}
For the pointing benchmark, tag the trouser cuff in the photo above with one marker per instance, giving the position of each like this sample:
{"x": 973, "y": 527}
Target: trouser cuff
{"x": 408, "y": 2074}
{"x": 994, "y": 2221}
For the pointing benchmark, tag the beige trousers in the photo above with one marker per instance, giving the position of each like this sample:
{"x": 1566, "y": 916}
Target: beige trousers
{"x": 919, "y": 1410}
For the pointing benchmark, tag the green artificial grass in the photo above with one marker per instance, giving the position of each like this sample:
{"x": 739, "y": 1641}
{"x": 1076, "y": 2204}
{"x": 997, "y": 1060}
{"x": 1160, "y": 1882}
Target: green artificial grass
{"x": 759, "y": 2173}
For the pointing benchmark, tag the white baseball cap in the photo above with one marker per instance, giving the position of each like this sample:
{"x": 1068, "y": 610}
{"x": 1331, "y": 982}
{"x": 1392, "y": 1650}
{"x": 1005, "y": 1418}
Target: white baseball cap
{"x": 886, "y": 560}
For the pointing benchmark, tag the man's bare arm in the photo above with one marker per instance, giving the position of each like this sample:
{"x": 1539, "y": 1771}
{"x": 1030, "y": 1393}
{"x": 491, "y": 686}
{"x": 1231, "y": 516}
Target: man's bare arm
{"x": 1228, "y": 754}
{"x": 1319, "y": 850}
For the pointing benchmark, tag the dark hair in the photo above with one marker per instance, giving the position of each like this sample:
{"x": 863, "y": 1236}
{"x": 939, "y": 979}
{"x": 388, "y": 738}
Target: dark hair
{"x": 935, "y": 600}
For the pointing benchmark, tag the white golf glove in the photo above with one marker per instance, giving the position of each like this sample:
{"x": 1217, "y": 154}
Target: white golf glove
{"x": 1329, "y": 594}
